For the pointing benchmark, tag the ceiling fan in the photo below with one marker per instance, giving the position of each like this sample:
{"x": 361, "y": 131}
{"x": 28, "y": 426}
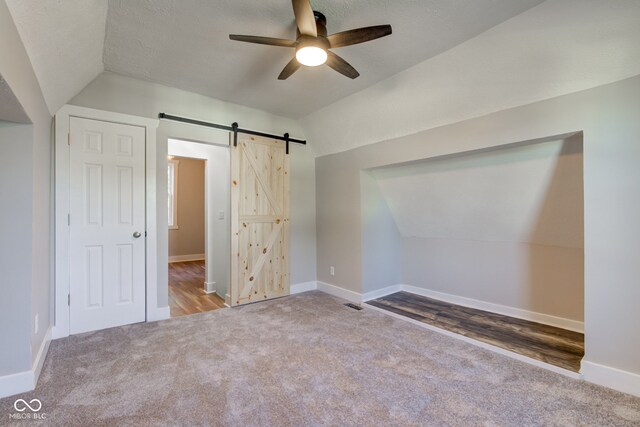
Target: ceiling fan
{"x": 312, "y": 43}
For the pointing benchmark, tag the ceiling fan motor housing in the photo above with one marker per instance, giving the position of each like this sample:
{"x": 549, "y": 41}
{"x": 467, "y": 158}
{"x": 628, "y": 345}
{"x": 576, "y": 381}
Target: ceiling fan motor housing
{"x": 320, "y": 41}
{"x": 321, "y": 25}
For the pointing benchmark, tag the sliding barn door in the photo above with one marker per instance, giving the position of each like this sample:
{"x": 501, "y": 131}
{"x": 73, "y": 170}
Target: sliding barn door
{"x": 259, "y": 220}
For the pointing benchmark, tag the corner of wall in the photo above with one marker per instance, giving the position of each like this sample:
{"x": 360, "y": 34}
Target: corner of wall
{"x": 606, "y": 376}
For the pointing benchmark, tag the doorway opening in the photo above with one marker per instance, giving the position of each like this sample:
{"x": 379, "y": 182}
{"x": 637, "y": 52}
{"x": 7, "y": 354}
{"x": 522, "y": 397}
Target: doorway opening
{"x": 198, "y": 199}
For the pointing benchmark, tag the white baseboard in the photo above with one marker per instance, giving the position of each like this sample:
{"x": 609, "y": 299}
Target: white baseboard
{"x": 547, "y": 319}
{"x": 159, "y": 313}
{"x": 25, "y": 381}
{"x": 623, "y": 381}
{"x": 340, "y": 292}
{"x": 210, "y": 288}
{"x": 617, "y": 379}
{"x": 59, "y": 332}
{"x": 42, "y": 355}
{"x": 227, "y": 300}
{"x": 368, "y": 296}
{"x": 560, "y": 322}
{"x": 185, "y": 258}
{"x": 303, "y": 287}
{"x": 16, "y": 383}
{"x": 481, "y": 344}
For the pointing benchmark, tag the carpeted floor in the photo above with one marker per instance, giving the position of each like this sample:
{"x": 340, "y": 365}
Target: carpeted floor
{"x": 304, "y": 360}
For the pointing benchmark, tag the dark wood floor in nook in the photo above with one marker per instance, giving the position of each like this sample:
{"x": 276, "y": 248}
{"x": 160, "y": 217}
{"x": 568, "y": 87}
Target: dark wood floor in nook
{"x": 186, "y": 289}
{"x": 548, "y": 344}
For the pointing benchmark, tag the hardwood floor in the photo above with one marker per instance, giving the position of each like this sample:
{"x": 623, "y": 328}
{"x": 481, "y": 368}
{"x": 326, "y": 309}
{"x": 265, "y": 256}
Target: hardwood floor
{"x": 186, "y": 289}
{"x": 548, "y": 344}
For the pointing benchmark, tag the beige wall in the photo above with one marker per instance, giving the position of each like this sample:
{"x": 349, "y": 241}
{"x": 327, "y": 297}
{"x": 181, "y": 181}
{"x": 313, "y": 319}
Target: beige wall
{"x": 608, "y": 118}
{"x": 189, "y": 237}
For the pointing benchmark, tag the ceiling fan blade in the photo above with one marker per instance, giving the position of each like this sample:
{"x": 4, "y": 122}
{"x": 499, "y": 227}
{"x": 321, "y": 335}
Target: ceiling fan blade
{"x": 359, "y": 35}
{"x": 341, "y": 66}
{"x": 289, "y": 69}
{"x": 263, "y": 40}
{"x": 305, "y": 20}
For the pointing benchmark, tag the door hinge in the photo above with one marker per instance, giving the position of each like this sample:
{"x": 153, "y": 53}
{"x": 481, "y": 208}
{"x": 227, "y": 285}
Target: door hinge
{"x": 68, "y": 219}
{"x": 69, "y": 138}
{"x": 69, "y": 300}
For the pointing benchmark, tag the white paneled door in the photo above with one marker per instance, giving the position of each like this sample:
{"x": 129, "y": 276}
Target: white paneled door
{"x": 107, "y": 225}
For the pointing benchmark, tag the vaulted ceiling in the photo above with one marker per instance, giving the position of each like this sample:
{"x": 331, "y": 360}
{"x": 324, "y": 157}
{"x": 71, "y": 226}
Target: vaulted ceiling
{"x": 185, "y": 44}
{"x": 65, "y": 42}
{"x": 446, "y": 61}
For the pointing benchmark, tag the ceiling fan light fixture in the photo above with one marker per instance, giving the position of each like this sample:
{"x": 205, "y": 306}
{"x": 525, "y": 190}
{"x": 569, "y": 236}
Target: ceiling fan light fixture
{"x": 311, "y": 56}
{"x": 313, "y": 45}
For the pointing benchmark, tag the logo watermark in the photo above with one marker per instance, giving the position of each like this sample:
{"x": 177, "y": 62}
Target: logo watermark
{"x": 28, "y": 410}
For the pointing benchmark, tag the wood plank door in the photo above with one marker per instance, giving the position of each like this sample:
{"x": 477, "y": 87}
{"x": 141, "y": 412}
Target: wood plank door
{"x": 259, "y": 220}
{"x": 106, "y": 225}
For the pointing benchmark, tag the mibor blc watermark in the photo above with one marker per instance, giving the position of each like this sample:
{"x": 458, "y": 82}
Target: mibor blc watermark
{"x": 27, "y": 410}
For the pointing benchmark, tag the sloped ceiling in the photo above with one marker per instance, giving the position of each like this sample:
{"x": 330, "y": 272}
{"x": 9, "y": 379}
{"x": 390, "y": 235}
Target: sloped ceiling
{"x": 447, "y": 60}
{"x": 185, "y": 45}
{"x": 10, "y": 108}
{"x": 65, "y": 42}
{"x": 527, "y": 194}
{"x": 556, "y": 48}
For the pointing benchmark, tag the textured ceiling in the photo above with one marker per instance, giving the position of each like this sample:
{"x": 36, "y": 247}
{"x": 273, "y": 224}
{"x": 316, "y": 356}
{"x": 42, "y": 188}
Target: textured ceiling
{"x": 531, "y": 193}
{"x": 447, "y": 60}
{"x": 185, "y": 44}
{"x": 556, "y": 48}
{"x": 64, "y": 40}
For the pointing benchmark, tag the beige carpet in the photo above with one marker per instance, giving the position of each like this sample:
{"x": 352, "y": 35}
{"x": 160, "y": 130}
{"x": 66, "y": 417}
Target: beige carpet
{"x": 304, "y": 360}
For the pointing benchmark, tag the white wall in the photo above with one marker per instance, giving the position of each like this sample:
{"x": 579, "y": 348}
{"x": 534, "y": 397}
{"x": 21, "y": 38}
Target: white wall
{"x": 16, "y": 192}
{"x": 381, "y": 239}
{"x": 607, "y": 116}
{"x": 112, "y": 92}
{"x": 217, "y": 250}
{"x": 34, "y": 179}
{"x": 534, "y": 278}
{"x": 503, "y": 226}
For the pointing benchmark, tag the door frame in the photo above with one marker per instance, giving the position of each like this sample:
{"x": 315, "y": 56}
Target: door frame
{"x": 211, "y": 286}
{"x": 61, "y": 320}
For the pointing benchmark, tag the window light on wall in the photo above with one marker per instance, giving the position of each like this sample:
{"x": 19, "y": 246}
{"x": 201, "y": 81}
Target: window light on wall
{"x": 172, "y": 193}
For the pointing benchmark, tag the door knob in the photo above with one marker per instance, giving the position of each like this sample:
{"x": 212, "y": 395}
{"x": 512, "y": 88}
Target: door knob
{"x": 137, "y": 234}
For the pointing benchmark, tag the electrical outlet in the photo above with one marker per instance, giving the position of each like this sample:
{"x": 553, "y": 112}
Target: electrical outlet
{"x": 35, "y": 328}
{"x": 332, "y": 271}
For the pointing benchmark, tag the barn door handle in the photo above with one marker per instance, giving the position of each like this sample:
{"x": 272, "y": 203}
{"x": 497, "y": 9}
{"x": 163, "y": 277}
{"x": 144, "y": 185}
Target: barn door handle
{"x": 137, "y": 234}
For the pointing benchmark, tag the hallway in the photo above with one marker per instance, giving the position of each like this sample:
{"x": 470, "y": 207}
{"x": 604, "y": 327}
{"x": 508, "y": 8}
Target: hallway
{"x": 186, "y": 290}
